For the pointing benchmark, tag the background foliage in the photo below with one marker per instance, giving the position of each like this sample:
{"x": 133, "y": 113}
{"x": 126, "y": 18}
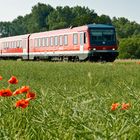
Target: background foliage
{"x": 44, "y": 17}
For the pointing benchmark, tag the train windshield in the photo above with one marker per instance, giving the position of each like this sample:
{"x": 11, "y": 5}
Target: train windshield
{"x": 102, "y": 37}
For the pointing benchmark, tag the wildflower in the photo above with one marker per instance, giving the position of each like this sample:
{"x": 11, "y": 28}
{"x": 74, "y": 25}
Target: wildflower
{"x": 5, "y": 92}
{"x": 125, "y": 106}
{"x": 23, "y": 103}
{"x": 13, "y": 80}
{"x": 138, "y": 62}
{"x": 114, "y": 106}
{"x": 16, "y": 92}
{"x": 24, "y": 89}
{"x": 30, "y": 95}
{"x": 1, "y": 78}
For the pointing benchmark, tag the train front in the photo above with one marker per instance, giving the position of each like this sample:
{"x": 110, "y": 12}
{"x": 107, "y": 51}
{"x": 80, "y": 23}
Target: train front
{"x": 103, "y": 43}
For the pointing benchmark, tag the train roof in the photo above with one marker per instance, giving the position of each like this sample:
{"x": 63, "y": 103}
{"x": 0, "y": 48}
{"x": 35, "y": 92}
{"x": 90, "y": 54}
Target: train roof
{"x": 100, "y": 26}
{"x": 18, "y": 37}
{"x": 69, "y": 30}
{"x": 59, "y": 31}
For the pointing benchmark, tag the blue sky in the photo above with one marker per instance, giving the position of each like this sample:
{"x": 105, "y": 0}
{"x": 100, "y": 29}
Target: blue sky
{"x": 10, "y": 9}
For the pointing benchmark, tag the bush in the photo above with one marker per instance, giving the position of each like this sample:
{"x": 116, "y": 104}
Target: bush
{"x": 130, "y": 48}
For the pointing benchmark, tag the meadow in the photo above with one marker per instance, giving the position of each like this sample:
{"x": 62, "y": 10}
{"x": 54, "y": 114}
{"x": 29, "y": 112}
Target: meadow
{"x": 73, "y": 101}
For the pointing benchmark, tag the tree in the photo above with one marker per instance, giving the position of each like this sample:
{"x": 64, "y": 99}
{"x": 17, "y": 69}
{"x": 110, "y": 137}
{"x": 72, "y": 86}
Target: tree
{"x": 60, "y": 18}
{"x": 104, "y": 19}
{"x": 125, "y": 28}
{"x": 37, "y": 21}
{"x": 5, "y": 29}
{"x": 130, "y": 47}
{"x": 83, "y": 16}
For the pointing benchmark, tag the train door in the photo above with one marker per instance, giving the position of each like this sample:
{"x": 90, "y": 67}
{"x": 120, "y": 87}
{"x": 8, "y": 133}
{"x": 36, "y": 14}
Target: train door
{"x": 25, "y": 48}
{"x": 24, "y": 45}
{"x": 81, "y": 42}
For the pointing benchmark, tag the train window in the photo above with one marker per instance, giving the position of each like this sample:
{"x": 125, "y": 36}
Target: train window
{"x": 55, "y": 40}
{"x": 51, "y": 41}
{"x": 3, "y": 45}
{"x": 82, "y": 38}
{"x": 35, "y": 42}
{"x": 9, "y": 46}
{"x": 14, "y": 44}
{"x": 47, "y": 41}
{"x": 75, "y": 39}
{"x": 43, "y": 42}
{"x": 60, "y": 40}
{"x": 39, "y": 42}
{"x": 31, "y": 43}
{"x": 17, "y": 44}
{"x": 24, "y": 44}
{"x": 65, "y": 39}
{"x": 6, "y": 44}
{"x": 20, "y": 44}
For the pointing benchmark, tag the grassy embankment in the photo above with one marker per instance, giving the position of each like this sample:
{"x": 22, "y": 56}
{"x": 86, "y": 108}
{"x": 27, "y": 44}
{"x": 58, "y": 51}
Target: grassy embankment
{"x": 73, "y": 101}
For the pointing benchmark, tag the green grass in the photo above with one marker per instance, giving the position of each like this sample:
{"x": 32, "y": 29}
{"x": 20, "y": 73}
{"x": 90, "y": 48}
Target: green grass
{"x": 73, "y": 101}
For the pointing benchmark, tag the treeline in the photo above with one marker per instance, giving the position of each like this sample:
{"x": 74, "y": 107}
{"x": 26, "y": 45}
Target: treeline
{"x": 45, "y": 17}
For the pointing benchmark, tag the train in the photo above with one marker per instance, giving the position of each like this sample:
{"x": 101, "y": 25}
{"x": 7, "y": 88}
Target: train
{"x": 93, "y": 42}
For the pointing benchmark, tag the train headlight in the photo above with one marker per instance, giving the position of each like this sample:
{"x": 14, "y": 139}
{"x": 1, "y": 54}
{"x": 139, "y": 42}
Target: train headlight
{"x": 113, "y": 49}
{"x": 94, "y": 49}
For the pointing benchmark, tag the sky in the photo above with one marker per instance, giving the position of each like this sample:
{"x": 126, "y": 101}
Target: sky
{"x": 130, "y": 9}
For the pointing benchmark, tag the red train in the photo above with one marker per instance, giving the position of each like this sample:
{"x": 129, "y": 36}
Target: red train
{"x": 90, "y": 42}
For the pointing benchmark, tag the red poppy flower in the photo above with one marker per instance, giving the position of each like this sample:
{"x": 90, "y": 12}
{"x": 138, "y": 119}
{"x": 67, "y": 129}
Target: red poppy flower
{"x": 125, "y": 106}
{"x": 24, "y": 89}
{"x": 16, "y": 92}
{"x": 23, "y": 103}
{"x": 5, "y": 92}
{"x": 114, "y": 106}
{"x": 13, "y": 80}
{"x": 1, "y": 78}
{"x": 30, "y": 95}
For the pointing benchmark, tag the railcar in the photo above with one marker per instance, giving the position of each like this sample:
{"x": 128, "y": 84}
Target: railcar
{"x": 90, "y": 42}
{"x": 15, "y": 47}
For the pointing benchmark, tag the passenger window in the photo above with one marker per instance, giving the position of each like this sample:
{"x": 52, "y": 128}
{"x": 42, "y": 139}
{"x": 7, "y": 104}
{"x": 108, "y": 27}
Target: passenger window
{"x": 47, "y": 41}
{"x": 55, "y": 40}
{"x": 75, "y": 39}
{"x": 9, "y": 44}
{"x": 20, "y": 44}
{"x": 35, "y": 42}
{"x": 65, "y": 39}
{"x": 43, "y": 42}
{"x": 51, "y": 41}
{"x": 82, "y": 38}
{"x": 4, "y": 45}
{"x": 39, "y": 42}
{"x": 17, "y": 44}
{"x": 12, "y": 45}
{"x": 60, "y": 40}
